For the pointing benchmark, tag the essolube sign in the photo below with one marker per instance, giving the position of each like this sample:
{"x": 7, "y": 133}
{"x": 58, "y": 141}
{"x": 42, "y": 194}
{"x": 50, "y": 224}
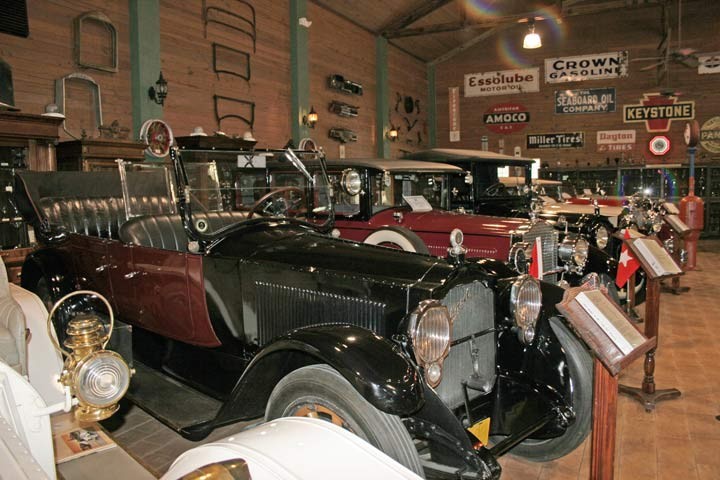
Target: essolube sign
{"x": 502, "y": 82}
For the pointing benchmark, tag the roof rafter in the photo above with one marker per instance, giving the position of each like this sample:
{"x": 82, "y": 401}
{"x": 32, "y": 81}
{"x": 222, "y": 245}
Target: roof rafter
{"x": 413, "y": 16}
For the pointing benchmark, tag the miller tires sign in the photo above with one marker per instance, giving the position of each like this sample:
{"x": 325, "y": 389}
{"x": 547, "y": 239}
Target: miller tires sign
{"x": 506, "y": 118}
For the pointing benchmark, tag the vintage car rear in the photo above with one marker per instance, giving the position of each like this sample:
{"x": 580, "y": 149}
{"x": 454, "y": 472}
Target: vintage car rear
{"x": 240, "y": 308}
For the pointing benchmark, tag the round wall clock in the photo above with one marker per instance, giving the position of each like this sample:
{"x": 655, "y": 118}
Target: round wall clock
{"x": 158, "y": 136}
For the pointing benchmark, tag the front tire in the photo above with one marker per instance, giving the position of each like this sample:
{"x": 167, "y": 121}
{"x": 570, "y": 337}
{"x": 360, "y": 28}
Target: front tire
{"x": 319, "y": 391}
{"x": 580, "y": 364}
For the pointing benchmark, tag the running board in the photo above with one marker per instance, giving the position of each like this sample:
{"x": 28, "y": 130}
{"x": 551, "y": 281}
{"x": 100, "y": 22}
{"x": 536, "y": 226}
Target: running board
{"x": 178, "y": 406}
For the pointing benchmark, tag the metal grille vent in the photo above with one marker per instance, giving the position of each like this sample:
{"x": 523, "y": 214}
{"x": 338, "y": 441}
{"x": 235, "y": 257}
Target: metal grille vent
{"x": 472, "y": 310}
{"x": 549, "y": 240}
{"x": 13, "y": 18}
{"x": 282, "y": 308}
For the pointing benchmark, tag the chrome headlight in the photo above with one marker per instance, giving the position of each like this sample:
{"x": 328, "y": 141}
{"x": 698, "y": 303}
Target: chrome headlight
{"x": 573, "y": 249}
{"x": 351, "y": 182}
{"x": 430, "y": 330}
{"x": 670, "y": 245}
{"x": 518, "y": 256}
{"x": 602, "y": 236}
{"x": 657, "y": 222}
{"x": 525, "y": 305}
{"x": 101, "y": 379}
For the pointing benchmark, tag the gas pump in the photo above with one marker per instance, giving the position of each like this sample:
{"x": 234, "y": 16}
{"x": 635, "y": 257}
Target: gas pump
{"x": 692, "y": 208}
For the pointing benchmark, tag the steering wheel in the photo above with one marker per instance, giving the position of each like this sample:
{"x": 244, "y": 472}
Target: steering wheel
{"x": 494, "y": 189}
{"x": 278, "y": 207}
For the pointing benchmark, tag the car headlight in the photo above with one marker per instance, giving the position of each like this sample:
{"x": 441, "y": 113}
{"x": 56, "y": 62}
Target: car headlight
{"x": 430, "y": 330}
{"x": 101, "y": 379}
{"x": 670, "y": 245}
{"x": 657, "y": 222}
{"x": 602, "y": 236}
{"x": 351, "y": 182}
{"x": 525, "y": 305}
{"x": 573, "y": 249}
{"x": 518, "y": 257}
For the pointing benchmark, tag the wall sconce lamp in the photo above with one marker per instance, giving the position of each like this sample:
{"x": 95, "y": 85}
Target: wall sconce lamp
{"x": 393, "y": 133}
{"x": 532, "y": 39}
{"x": 159, "y": 91}
{"x": 311, "y": 118}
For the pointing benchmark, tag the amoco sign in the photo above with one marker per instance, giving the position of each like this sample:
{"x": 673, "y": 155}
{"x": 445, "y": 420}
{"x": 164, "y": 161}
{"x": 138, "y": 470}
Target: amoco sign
{"x": 506, "y": 118}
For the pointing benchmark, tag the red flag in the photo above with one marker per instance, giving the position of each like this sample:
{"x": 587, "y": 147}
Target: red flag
{"x": 627, "y": 263}
{"x": 536, "y": 267}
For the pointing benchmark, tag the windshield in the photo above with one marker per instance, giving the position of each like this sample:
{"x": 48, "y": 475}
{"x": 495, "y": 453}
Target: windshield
{"x": 390, "y": 189}
{"x": 264, "y": 184}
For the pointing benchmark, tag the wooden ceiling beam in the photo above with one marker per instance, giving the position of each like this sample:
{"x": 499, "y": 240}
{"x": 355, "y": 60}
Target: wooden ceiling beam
{"x": 412, "y": 17}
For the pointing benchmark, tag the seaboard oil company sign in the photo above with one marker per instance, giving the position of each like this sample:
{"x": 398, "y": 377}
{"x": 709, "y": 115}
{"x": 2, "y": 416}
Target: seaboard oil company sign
{"x": 658, "y": 111}
{"x": 502, "y": 82}
{"x": 506, "y": 118}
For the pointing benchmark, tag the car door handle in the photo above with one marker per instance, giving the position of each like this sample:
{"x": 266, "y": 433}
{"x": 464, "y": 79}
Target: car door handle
{"x": 134, "y": 274}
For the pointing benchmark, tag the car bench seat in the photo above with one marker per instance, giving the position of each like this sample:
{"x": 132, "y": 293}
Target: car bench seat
{"x": 167, "y": 231}
{"x": 98, "y": 217}
{"x": 13, "y": 346}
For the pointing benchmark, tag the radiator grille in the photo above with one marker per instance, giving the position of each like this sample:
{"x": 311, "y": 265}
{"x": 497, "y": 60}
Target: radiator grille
{"x": 549, "y": 240}
{"x": 281, "y": 309}
{"x": 472, "y": 309}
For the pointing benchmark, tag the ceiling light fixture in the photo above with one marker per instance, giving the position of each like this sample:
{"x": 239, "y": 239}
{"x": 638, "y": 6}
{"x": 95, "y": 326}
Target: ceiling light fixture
{"x": 532, "y": 39}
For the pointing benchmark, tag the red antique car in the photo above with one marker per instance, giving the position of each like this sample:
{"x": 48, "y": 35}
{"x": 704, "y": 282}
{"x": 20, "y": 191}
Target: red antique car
{"x": 403, "y": 204}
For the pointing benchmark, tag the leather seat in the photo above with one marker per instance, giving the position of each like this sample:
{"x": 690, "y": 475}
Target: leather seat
{"x": 167, "y": 231}
{"x": 98, "y": 217}
{"x": 13, "y": 347}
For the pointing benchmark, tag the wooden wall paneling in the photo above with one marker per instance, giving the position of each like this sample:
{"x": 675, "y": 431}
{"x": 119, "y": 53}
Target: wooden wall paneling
{"x": 187, "y": 66}
{"x": 47, "y": 54}
{"x": 637, "y": 31}
{"x": 338, "y": 46}
{"x": 408, "y": 77}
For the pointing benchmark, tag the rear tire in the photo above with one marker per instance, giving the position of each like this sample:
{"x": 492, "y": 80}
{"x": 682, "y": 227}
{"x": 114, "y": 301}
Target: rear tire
{"x": 580, "y": 364}
{"x": 398, "y": 237}
{"x": 320, "y": 391}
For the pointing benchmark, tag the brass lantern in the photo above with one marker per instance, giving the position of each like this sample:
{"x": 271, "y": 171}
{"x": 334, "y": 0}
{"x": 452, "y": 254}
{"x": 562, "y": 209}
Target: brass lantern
{"x": 98, "y": 378}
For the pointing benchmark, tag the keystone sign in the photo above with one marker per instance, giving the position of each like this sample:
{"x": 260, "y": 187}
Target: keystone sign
{"x": 506, "y": 118}
{"x": 502, "y": 82}
{"x": 586, "y": 67}
{"x": 658, "y": 111}
{"x": 615, "y": 140}
{"x": 592, "y": 100}
{"x": 710, "y": 135}
{"x": 556, "y": 140}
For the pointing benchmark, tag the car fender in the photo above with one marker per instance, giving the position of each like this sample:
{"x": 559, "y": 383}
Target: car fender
{"x": 376, "y": 367}
{"x": 52, "y": 265}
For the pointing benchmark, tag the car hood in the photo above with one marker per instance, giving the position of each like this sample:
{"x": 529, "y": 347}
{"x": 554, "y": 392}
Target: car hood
{"x": 440, "y": 221}
{"x": 612, "y": 213}
{"x": 304, "y": 249}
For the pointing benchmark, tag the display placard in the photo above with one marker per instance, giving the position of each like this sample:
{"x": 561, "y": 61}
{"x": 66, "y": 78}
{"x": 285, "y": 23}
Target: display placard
{"x": 671, "y": 208}
{"x": 604, "y": 327}
{"x": 417, "y": 203}
{"x": 677, "y": 224}
{"x": 655, "y": 260}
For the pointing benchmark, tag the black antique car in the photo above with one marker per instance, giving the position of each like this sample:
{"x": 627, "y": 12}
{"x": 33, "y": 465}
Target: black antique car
{"x": 239, "y": 308}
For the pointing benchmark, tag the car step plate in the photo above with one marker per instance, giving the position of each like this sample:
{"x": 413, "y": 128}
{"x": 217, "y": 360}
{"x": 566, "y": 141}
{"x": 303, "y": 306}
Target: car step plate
{"x": 176, "y": 405}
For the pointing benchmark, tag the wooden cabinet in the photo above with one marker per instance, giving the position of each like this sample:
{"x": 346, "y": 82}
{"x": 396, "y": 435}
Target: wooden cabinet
{"x": 97, "y": 154}
{"x": 35, "y": 133}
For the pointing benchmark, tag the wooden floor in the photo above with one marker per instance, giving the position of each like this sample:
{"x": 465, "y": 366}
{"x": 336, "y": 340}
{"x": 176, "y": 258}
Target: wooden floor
{"x": 680, "y": 440}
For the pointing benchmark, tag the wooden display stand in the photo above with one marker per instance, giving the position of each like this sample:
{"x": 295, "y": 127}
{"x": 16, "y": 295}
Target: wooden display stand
{"x": 679, "y": 231}
{"x": 97, "y": 154}
{"x": 657, "y": 264}
{"x": 616, "y": 343}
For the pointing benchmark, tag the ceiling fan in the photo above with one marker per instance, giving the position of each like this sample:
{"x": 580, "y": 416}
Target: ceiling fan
{"x": 686, "y": 56}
